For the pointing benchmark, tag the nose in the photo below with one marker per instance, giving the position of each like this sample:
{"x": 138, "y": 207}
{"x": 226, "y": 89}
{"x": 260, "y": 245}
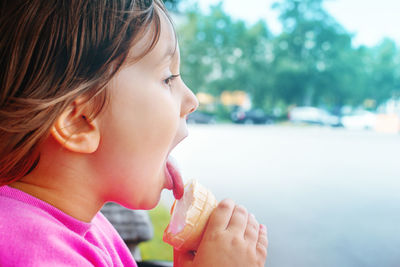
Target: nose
{"x": 189, "y": 102}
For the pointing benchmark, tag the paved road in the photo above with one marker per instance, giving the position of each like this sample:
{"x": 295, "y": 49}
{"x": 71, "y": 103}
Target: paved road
{"x": 329, "y": 197}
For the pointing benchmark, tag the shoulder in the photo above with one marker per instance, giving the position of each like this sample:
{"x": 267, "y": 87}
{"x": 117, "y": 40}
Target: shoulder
{"x": 105, "y": 233}
{"x": 30, "y": 236}
{"x": 33, "y": 233}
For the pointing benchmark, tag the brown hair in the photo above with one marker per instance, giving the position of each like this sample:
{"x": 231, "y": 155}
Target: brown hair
{"x": 54, "y": 51}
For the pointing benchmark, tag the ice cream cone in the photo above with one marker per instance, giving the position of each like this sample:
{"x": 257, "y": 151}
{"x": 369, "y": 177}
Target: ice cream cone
{"x": 189, "y": 217}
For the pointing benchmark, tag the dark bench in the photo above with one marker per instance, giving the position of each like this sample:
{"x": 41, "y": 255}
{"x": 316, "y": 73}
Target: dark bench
{"x": 134, "y": 226}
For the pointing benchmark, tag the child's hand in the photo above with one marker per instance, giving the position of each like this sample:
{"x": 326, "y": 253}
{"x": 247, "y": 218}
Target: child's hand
{"x": 233, "y": 237}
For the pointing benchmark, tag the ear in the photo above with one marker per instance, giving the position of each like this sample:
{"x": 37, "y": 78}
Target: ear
{"x": 75, "y": 131}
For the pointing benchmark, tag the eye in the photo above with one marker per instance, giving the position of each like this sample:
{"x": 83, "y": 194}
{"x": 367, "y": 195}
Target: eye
{"x": 169, "y": 80}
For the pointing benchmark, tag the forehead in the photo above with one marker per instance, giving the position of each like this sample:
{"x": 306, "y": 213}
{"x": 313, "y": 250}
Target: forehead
{"x": 166, "y": 44}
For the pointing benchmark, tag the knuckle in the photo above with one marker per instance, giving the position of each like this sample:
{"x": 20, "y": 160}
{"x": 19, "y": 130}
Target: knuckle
{"x": 265, "y": 241}
{"x": 241, "y": 209}
{"x": 253, "y": 220}
{"x": 226, "y": 204}
{"x": 262, "y": 250}
{"x": 213, "y": 236}
{"x": 236, "y": 241}
{"x": 252, "y": 233}
{"x": 262, "y": 243}
{"x": 254, "y": 225}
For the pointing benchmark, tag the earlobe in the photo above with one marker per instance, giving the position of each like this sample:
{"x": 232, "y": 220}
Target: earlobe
{"x": 75, "y": 132}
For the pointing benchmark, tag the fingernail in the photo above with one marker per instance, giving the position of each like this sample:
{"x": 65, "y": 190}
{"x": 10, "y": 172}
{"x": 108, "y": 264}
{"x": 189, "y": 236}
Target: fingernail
{"x": 252, "y": 216}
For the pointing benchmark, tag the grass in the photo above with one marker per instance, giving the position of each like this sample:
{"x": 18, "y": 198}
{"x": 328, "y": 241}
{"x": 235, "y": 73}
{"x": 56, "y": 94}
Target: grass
{"x": 156, "y": 249}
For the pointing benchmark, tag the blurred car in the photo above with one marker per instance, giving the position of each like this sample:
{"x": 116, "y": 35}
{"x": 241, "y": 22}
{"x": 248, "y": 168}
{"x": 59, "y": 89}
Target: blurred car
{"x": 313, "y": 115}
{"x": 200, "y": 118}
{"x": 253, "y": 116}
{"x": 359, "y": 120}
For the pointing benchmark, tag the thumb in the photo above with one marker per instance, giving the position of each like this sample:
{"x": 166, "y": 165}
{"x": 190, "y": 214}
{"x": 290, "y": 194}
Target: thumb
{"x": 183, "y": 258}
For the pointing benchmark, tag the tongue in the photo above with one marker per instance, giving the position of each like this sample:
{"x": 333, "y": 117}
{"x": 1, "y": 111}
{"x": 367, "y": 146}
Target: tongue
{"x": 176, "y": 179}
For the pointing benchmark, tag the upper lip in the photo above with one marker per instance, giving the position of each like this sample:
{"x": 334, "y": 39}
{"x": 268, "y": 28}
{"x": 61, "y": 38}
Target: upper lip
{"x": 180, "y": 137}
{"x": 179, "y": 140}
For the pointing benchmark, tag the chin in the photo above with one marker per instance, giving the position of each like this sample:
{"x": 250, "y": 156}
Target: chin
{"x": 149, "y": 204}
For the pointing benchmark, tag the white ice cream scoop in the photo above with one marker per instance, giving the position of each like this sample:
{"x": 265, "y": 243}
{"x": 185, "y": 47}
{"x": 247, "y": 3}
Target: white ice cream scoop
{"x": 189, "y": 217}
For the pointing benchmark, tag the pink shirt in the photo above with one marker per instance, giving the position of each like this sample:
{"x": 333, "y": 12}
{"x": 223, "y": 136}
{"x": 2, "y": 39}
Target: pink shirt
{"x": 34, "y": 233}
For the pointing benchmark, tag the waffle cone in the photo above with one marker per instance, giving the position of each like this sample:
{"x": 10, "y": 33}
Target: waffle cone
{"x": 189, "y": 217}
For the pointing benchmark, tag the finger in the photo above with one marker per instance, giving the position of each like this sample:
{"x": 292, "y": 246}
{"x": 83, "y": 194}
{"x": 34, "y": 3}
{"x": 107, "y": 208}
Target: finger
{"x": 238, "y": 220}
{"x": 222, "y": 214}
{"x": 262, "y": 242}
{"x": 252, "y": 229}
{"x": 182, "y": 259}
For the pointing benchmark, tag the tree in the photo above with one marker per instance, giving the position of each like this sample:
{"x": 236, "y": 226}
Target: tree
{"x": 172, "y": 4}
{"x": 384, "y": 81}
{"x": 312, "y": 62}
{"x": 219, "y": 54}
{"x": 309, "y": 54}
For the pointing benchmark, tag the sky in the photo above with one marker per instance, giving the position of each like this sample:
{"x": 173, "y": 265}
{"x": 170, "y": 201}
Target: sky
{"x": 369, "y": 20}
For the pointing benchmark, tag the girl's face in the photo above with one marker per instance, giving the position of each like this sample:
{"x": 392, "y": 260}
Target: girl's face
{"x": 144, "y": 121}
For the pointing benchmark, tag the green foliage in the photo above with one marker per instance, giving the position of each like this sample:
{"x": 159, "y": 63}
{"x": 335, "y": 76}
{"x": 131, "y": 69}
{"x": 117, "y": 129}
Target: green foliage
{"x": 312, "y": 62}
{"x": 171, "y": 4}
{"x": 312, "y": 55}
{"x": 383, "y": 79}
{"x": 219, "y": 54}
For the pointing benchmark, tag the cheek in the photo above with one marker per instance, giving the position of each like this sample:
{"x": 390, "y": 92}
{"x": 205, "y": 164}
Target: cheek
{"x": 138, "y": 130}
{"x": 144, "y": 134}
{"x": 148, "y": 114}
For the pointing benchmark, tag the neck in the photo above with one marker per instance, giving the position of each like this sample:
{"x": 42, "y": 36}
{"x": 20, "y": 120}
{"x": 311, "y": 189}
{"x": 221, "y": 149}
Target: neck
{"x": 77, "y": 205}
{"x": 64, "y": 186}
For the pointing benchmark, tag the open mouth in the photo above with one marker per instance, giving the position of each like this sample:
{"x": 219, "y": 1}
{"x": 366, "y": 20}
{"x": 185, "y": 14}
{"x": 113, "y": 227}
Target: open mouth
{"x": 173, "y": 177}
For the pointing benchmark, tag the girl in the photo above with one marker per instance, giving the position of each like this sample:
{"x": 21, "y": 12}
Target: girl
{"x": 91, "y": 105}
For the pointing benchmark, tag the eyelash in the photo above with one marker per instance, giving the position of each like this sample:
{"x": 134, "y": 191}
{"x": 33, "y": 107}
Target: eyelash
{"x": 170, "y": 79}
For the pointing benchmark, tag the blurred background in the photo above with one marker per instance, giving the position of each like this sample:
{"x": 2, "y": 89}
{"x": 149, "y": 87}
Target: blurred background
{"x": 298, "y": 121}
